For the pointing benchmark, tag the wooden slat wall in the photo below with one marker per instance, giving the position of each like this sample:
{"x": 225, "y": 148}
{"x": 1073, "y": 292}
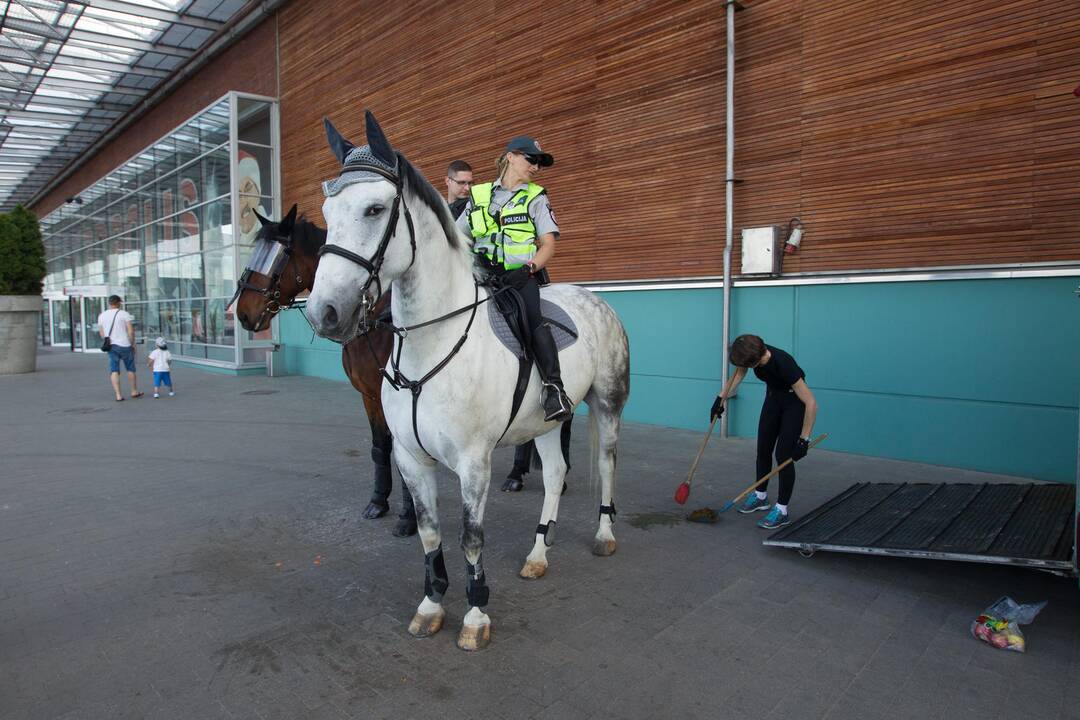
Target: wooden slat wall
{"x": 904, "y": 134}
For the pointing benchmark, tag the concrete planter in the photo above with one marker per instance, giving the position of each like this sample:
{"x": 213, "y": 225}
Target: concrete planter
{"x": 19, "y": 333}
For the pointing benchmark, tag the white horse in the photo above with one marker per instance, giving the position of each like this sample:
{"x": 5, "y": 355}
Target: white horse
{"x": 447, "y": 396}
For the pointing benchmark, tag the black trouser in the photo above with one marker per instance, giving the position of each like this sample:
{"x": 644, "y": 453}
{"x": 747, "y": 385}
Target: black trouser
{"x": 530, "y": 295}
{"x": 778, "y": 428}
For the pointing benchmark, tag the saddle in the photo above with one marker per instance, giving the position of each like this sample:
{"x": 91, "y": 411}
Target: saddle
{"x": 506, "y": 313}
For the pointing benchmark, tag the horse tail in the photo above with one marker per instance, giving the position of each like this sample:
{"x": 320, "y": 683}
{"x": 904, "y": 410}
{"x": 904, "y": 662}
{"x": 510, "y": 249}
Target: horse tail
{"x": 594, "y": 452}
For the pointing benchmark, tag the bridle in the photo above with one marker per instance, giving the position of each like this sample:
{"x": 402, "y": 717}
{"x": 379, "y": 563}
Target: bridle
{"x": 375, "y": 263}
{"x": 272, "y": 292}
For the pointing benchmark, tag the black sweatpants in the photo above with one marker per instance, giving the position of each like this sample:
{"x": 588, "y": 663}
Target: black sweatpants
{"x": 778, "y": 429}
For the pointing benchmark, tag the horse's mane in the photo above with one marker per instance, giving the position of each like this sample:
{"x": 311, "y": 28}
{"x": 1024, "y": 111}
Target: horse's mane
{"x": 311, "y": 237}
{"x": 427, "y": 194}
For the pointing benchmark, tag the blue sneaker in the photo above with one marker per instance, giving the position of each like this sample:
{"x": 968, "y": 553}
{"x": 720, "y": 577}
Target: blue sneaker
{"x": 752, "y": 504}
{"x": 775, "y": 519}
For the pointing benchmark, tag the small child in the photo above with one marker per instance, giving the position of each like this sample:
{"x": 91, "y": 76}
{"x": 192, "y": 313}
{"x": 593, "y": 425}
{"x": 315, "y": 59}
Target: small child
{"x": 160, "y": 360}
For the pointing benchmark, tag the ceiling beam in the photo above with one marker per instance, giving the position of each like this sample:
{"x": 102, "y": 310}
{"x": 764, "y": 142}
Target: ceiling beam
{"x": 97, "y": 38}
{"x": 149, "y": 12}
{"x": 45, "y": 82}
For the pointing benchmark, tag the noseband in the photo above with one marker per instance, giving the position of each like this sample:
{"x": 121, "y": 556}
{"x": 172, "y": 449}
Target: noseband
{"x": 375, "y": 263}
{"x": 272, "y": 292}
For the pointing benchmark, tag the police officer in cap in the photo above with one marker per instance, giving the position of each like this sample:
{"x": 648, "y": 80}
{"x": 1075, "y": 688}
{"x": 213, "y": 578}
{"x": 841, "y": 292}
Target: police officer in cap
{"x": 514, "y": 230}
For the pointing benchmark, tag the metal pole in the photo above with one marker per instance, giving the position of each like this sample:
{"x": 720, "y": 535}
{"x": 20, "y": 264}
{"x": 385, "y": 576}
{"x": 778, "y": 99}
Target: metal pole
{"x": 729, "y": 212}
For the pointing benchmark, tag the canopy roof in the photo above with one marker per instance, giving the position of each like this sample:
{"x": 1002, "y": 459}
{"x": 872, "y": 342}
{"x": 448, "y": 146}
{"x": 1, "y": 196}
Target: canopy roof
{"x": 69, "y": 70}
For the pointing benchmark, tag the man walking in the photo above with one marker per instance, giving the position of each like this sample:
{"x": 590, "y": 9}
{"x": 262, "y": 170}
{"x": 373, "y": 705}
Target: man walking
{"x": 121, "y": 335}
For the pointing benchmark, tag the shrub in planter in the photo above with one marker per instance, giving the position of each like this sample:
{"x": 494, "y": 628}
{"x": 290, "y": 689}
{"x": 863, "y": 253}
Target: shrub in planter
{"x": 22, "y": 268}
{"x": 22, "y": 253}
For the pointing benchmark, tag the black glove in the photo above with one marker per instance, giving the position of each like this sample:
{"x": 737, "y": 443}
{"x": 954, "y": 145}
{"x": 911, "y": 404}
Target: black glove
{"x": 717, "y": 409}
{"x": 802, "y": 445}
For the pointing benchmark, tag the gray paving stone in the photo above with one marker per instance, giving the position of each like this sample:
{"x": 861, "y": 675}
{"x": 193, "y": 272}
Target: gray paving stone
{"x": 220, "y": 569}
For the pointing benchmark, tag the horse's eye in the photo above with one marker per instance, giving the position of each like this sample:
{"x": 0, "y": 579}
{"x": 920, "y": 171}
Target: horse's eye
{"x": 373, "y": 211}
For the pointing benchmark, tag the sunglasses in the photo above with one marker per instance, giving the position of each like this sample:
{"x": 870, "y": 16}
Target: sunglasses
{"x": 531, "y": 159}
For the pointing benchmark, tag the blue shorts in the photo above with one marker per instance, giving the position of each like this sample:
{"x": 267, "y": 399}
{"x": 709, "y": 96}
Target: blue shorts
{"x": 118, "y": 353}
{"x": 162, "y": 378}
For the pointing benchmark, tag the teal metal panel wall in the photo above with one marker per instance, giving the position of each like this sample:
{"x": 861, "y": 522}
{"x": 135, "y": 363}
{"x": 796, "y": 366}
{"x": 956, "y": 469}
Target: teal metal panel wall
{"x": 305, "y": 354}
{"x": 979, "y": 374}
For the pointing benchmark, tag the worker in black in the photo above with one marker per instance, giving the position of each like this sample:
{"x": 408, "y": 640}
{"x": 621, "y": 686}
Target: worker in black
{"x": 787, "y": 418}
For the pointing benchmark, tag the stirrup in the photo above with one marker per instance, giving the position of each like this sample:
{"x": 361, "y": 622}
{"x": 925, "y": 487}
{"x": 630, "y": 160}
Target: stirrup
{"x": 565, "y": 410}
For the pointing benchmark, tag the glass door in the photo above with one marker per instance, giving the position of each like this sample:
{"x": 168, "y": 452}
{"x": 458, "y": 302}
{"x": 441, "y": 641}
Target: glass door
{"x": 78, "y": 325}
{"x": 91, "y": 308}
{"x": 60, "y": 320}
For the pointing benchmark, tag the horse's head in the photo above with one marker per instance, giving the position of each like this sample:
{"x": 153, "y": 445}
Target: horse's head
{"x": 282, "y": 265}
{"x": 376, "y": 210}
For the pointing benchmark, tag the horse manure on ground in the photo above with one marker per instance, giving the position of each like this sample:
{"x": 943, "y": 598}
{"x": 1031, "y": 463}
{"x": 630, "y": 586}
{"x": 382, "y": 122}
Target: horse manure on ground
{"x": 703, "y": 515}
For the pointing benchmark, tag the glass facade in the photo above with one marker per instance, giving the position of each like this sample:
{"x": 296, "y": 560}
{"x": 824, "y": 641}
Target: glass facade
{"x": 168, "y": 231}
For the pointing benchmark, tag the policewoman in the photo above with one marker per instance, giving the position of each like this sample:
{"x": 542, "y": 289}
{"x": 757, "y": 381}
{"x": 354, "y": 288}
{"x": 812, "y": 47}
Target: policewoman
{"x": 514, "y": 231}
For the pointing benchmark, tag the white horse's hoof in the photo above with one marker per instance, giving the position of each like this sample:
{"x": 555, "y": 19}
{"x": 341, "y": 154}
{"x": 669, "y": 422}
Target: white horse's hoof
{"x": 533, "y": 570}
{"x": 474, "y": 637}
{"x": 603, "y": 546}
{"x": 426, "y": 625}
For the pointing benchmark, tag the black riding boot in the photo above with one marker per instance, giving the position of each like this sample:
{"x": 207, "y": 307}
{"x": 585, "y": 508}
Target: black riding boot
{"x": 557, "y": 406}
{"x": 406, "y": 522}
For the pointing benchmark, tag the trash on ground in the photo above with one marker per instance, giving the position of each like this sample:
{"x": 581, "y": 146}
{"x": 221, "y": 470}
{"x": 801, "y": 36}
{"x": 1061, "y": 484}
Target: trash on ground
{"x": 999, "y": 624}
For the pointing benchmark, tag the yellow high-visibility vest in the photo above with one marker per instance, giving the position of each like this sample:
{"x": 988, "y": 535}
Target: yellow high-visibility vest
{"x": 510, "y": 240}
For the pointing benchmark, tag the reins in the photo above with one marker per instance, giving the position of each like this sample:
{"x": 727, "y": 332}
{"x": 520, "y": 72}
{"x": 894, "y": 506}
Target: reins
{"x": 398, "y": 380}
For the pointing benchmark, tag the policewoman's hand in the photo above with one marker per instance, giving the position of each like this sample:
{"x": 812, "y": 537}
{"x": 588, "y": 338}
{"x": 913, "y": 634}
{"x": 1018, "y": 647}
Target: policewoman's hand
{"x": 717, "y": 409}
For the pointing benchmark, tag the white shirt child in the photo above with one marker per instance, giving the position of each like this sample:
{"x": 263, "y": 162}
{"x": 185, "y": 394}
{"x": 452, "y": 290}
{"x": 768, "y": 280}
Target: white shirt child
{"x": 161, "y": 358}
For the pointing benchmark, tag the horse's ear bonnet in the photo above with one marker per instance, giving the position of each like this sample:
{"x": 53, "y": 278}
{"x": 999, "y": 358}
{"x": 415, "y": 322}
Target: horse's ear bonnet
{"x": 367, "y": 163}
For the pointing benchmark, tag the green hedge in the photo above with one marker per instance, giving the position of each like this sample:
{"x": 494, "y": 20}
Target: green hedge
{"x": 22, "y": 253}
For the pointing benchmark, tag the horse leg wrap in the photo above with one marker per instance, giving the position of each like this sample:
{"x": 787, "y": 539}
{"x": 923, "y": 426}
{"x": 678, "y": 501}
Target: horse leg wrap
{"x": 476, "y": 589}
{"x": 608, "y": 510}
{"x": 435, "y": 580}
{"x": 380, "y": 456}
{"x": 384, "y": 481}
{"x": 548, "y": 531}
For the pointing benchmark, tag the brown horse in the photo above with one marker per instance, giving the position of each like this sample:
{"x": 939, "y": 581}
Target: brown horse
{"x": 282, "y": 266}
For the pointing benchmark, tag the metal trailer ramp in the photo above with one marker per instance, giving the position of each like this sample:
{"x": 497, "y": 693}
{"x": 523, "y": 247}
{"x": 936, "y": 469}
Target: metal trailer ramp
{"x": 1028, "y": 524}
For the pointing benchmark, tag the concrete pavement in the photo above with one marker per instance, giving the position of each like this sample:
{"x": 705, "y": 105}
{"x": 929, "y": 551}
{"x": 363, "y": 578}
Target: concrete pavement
{"x": 202, "y": 557}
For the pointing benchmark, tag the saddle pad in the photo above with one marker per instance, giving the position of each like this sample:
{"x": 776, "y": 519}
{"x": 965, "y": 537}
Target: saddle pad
{"x": 549, "y": 311}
